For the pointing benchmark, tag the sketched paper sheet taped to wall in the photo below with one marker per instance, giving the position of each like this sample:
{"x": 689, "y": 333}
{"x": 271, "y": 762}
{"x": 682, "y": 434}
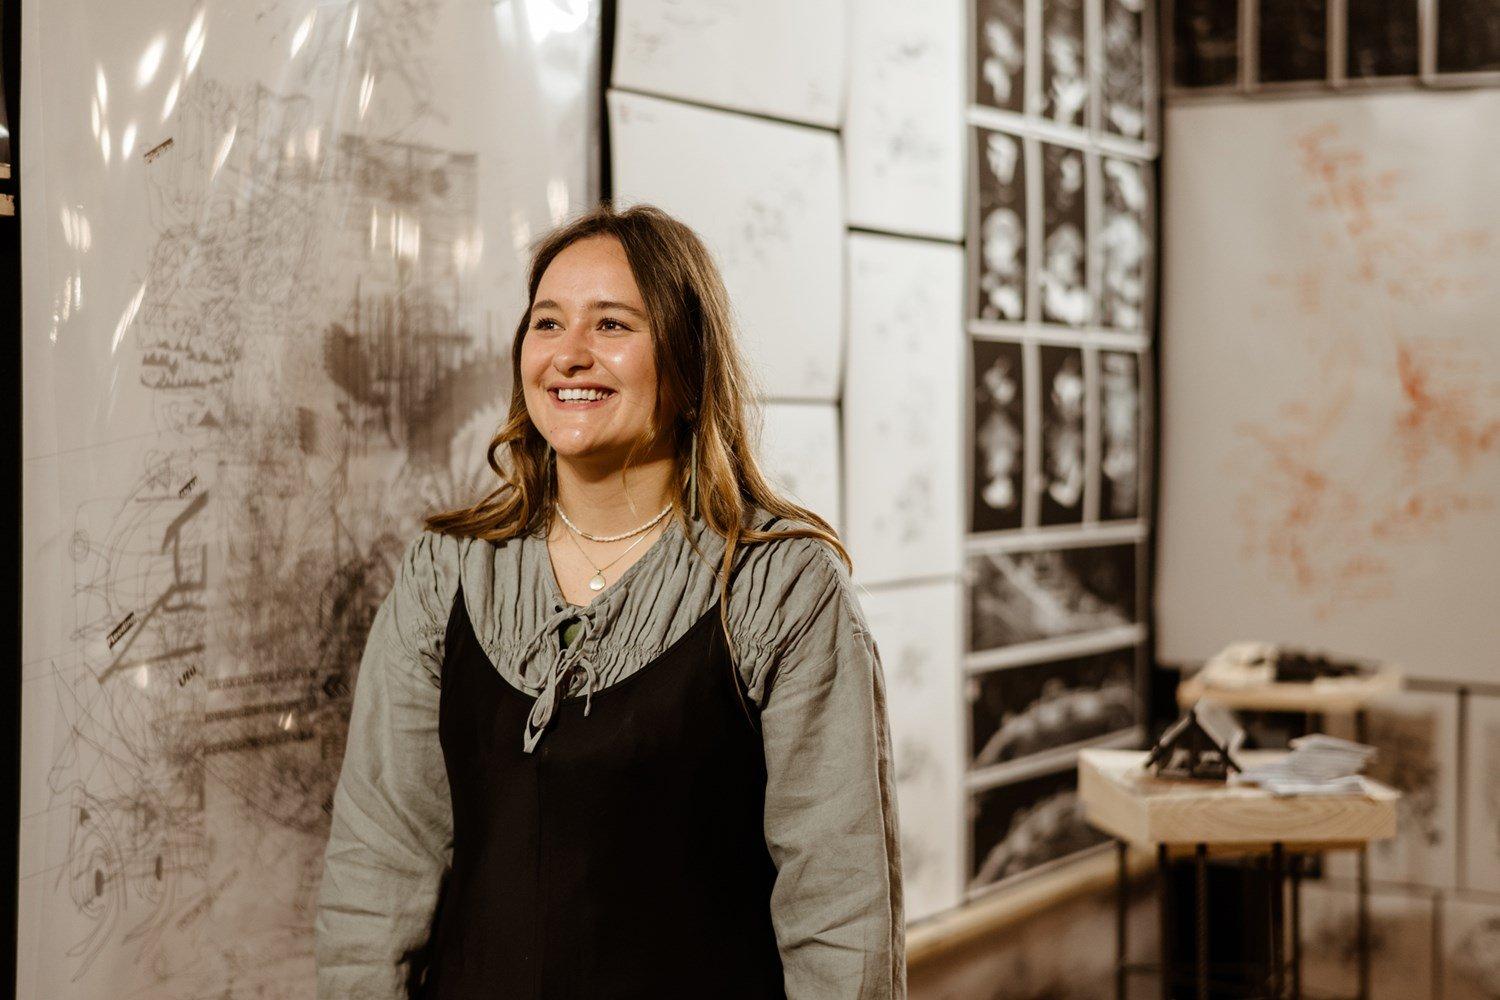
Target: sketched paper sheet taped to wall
{"x": 1331, "y": 430}
{"x": 767, "y": 199}
{"x": 784, "y": 58}
{"x": 277, "y": 265}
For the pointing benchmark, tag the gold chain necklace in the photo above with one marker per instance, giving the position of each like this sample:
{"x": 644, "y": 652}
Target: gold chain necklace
{"x": 596, "y": 582}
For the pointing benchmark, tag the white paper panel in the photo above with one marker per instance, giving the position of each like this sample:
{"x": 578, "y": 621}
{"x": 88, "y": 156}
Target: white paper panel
{"x": 800, "y": 449}
{"x": 252, "y": 361}
{"x": 776, "y": 57}
{"x": 1471, "y": 949}
{"x": 1401, "y": 943}
{"x": 1331, "y": 469}
{"x": 903, "y": 134}
{"x": 1417, "y": 736}
{"x": 903, "y": 407}
{"x": 766, "y": 199}
{"x": 916, "y": 631}
{"x": 1481, "y": 869}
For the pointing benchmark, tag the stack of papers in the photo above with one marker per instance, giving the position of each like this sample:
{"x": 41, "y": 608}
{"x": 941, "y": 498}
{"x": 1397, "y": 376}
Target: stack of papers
{"x": 1318, "y": 765}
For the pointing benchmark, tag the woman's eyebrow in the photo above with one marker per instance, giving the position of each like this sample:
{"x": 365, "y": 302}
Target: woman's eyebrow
{"x": 595, "y": 305}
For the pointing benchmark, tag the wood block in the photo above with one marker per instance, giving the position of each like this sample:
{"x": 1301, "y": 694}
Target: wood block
{"x": 1120, "y": 797}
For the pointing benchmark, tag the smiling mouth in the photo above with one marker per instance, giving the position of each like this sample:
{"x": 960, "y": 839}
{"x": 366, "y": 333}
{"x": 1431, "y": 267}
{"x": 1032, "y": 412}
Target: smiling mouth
{"x": 581, "y": 400}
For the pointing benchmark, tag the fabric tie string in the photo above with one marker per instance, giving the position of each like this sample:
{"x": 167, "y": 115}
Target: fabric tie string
{"x": 563, "y": 661}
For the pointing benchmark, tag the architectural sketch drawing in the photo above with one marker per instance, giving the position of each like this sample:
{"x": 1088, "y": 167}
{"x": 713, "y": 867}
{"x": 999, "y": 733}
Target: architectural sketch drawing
{"x": 1120, "y": 428}
{"x": 777, "y": 57}
{"x": 1063, "y": 274}
{"x": 800, "y": 450}
{"x": 904, "y": 358}
{"x": 903, "y": 165}
{"x": 915, "y": 631}
{"x": 1124, "y": 244}
{"x": 1026, "y": 596}
{"x": 1123, "y": 80}
{"x": 999, "y": 235}
{"x": 286, "y": 336}
{"x": 998, "y": 457}
{"x": 767, "y": 199}
{"x": 1000, "y": 54}
{"x": 1065, "y": 82}
{"x": 1025, "y": 824}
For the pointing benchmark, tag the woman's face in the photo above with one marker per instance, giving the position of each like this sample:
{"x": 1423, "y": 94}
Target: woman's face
{"x": 588, "y": 329}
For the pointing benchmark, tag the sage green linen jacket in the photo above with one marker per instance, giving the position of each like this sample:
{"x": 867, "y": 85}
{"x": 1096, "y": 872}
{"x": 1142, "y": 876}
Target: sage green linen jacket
{"x": 804, "y": 651}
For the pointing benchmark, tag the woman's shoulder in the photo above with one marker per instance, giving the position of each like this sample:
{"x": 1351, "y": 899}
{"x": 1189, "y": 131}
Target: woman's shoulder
{"x": 794, "y": 585}
{"x": 426, "y": 580}
{"x": 798, "y": 559}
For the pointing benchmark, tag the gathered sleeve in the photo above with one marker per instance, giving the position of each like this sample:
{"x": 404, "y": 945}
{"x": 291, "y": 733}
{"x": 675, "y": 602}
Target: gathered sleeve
{"x": 391, "y": 838}
{"x": 830, "y": 812}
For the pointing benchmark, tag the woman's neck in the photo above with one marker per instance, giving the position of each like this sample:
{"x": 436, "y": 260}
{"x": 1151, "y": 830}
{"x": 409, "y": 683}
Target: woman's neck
{"x": 612, "y": 503}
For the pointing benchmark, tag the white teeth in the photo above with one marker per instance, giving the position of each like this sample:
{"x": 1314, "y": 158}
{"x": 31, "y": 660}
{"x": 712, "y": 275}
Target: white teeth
{"x": 574, "y": 394}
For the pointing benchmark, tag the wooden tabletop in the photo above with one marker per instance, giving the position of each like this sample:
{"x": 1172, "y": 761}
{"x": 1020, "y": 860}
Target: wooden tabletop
{"x": 1335, "y": 695}
{"x": 1123, "y": 799}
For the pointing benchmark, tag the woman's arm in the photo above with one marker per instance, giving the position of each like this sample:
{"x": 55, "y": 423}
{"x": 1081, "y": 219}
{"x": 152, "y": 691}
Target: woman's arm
{"x": 391, "y": 838}
{"x": 831, "y": 823}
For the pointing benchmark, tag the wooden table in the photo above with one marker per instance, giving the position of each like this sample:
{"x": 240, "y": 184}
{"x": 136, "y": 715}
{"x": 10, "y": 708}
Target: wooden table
{"x": 1334, "y": 696}
{"x": 1203, "y": 818}
{"x": 1317, "y": 700}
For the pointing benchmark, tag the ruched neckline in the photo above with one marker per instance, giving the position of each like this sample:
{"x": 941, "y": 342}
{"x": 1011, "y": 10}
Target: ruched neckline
{"x": 565, "y": 658}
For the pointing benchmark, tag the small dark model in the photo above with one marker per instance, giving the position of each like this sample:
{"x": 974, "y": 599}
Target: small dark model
{"x": 1191, "y": 749}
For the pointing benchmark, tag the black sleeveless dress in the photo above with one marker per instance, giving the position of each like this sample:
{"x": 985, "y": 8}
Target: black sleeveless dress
{"x": 625, "y": 858}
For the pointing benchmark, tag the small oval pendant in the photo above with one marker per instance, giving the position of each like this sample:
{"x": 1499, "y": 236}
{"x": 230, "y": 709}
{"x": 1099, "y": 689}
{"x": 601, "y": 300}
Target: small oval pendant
{"x": 597, "y": 583}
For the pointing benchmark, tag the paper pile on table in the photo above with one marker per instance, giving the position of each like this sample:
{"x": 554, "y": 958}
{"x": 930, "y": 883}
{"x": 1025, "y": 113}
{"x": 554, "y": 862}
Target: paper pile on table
{"x": 1318, "y": 765}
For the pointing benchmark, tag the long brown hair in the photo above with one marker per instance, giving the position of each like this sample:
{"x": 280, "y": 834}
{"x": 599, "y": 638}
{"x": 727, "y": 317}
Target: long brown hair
{"x": 702, "y": 378}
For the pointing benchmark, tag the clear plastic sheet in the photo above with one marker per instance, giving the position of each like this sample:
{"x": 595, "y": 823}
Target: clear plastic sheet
{"x": 274, "y": 258}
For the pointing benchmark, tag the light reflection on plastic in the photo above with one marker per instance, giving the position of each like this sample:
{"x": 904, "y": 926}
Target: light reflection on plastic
{"x": 353, "y": 20}
{"x": 303, "y": 30}
{"x": 145, "y": 70}
{"x": 171, "y": 101}
{"x": 366, "y": 88}
{"x": 194, "y": 35}
{"x": 406, "y": 237}
{"x": 520, "y": 230}
{"x": 196, "y": 50}
{"x": 223, "y": 153}
{"x": 557, "y": 17}
{"x": 557, "y": 199}
{"x": 467, "y": 252}
{"x": 127, "y": 141}
{"x": 126, "y": 318}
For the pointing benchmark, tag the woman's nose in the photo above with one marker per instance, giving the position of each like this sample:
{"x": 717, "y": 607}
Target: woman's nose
{"x": 573, "y": 347}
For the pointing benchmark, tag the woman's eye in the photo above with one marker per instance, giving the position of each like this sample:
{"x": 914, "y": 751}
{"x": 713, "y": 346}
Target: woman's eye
{"x": 617, "y": 323}
{"x": 539, "y": 323}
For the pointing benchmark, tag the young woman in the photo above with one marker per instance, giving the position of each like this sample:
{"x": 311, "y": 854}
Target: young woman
{"x": 613, "y": 736}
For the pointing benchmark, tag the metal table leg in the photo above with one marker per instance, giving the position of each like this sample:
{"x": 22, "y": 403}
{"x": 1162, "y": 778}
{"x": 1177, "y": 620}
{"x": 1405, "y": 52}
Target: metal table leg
{"x": 1164, "y": 911}
{"x": 1122, "y": 883}
{"x": 1296, "y": 927}
{"x": 1200, "y": 919}
{"x": 1362, "y": 943}
{"x": 1278, "y": 930}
